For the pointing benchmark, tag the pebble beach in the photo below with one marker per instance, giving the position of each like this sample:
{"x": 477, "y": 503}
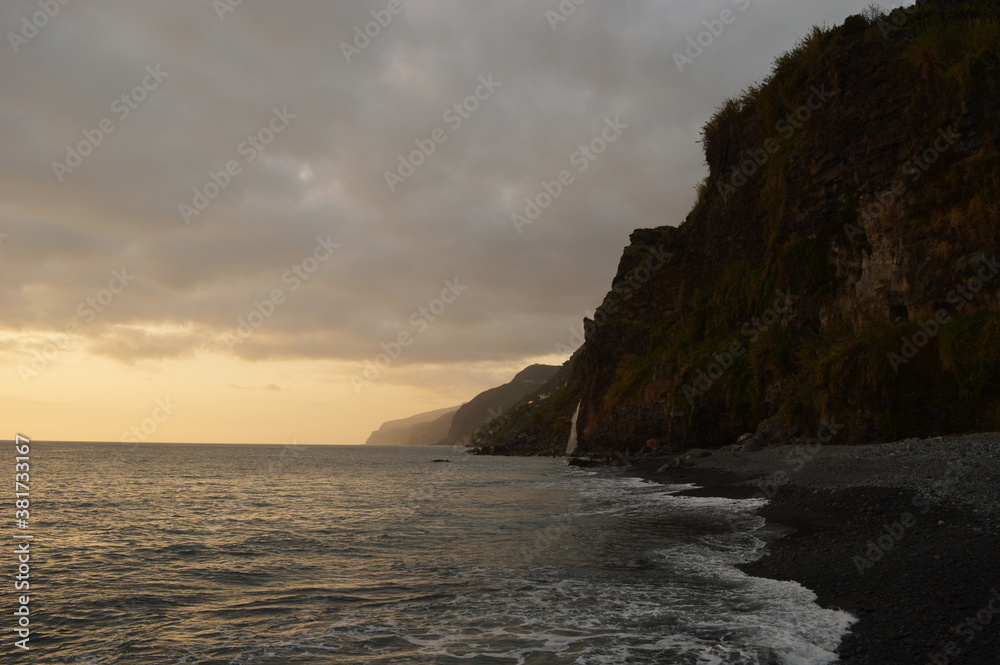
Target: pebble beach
{"x": 904, "y": 536}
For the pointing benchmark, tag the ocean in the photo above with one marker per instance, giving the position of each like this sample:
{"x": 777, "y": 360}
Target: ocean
{"x": 245, "y": 554}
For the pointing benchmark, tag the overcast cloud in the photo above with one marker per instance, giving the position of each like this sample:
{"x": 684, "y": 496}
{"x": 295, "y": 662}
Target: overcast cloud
{"x": 209, "y": 83}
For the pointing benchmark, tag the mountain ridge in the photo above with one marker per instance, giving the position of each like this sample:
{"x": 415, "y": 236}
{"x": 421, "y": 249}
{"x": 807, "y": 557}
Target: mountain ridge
{"x": 457, "y": 425}
{"x": 398, "y": 432}
{"x": 488, "y": 405}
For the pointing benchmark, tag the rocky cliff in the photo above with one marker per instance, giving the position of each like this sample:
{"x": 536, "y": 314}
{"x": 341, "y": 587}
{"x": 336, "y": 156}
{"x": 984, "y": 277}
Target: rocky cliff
{"x": 540, "y": 423}
{"x": 430, "y": 434}
{"x": 423, "y": 429}
{"x": 838, "y": 272}
{"x": 458, "y": 425}
{"x": 490, "y": 404}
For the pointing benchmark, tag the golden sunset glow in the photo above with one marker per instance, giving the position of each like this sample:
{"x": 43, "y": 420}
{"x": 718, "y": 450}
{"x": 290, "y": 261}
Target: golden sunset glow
{"x": 250, "y": 215}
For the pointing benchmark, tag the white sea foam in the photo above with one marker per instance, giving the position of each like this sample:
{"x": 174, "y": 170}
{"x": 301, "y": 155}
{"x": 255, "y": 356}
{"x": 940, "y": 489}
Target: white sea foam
{"x": 628, "y": 573}
{"x": 671, "y": 594}
{"x": 780, "y": 616}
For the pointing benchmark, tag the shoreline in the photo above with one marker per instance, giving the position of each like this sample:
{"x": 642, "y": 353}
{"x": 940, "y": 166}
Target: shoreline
{"x": 903, "y": 536}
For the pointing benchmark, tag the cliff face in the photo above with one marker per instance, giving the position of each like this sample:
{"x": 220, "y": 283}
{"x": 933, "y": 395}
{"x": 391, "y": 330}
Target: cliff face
{"x": 423, "y": 429}
{"x": 839, "y": 268}
{"x": 540, "y": 423}
{"x": 487, "y": 405}
{"x": 430, "y": 434}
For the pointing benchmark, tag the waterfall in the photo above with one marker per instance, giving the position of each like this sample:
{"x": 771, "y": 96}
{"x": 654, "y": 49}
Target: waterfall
{"x": 571, "y": 444}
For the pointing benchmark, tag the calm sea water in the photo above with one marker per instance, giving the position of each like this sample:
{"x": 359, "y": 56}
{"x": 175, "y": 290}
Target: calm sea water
{"x": 271, "y": 554}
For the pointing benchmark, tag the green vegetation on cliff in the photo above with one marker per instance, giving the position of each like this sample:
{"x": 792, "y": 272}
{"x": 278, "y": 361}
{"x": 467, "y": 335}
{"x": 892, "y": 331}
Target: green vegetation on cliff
{"x": 839, "y": 263}
{"x": 540, "y": 423}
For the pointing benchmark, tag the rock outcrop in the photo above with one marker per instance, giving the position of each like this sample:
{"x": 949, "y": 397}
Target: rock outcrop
{"x": 419, "y": 430}
{"x": 458, "y": 425}
{"x": 490, "y": 404}
{"x": 838, "y": 272}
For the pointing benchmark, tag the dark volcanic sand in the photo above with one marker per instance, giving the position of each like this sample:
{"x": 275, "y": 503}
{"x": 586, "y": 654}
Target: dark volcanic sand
{"x": 938, "y": 573}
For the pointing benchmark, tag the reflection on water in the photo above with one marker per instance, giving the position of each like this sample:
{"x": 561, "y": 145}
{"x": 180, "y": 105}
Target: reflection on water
{"x": 277, "y": 554}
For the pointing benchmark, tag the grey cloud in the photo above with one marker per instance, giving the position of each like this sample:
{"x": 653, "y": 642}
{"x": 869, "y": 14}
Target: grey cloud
{"x": 324, "y": 174}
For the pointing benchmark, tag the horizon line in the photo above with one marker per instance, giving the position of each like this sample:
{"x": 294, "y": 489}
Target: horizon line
{"x": 177, "y": 443}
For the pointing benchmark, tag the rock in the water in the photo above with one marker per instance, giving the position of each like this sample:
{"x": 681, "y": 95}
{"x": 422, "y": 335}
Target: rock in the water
{"x": 672, "y": 464}
{"x": 698, "y": 453}
{"x": 585, "y": 463}
{"x": 751, "y": 445}
{"x": 441, "y": 460}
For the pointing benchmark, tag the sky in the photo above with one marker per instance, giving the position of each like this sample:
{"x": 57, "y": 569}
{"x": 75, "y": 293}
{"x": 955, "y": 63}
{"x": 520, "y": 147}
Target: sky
{"x": 230, "y": 221}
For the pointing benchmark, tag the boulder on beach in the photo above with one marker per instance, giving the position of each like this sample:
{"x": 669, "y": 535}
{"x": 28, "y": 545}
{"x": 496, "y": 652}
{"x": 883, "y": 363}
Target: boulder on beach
{"x": 672, "y": 464}
{"x": 585, "y": 463}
